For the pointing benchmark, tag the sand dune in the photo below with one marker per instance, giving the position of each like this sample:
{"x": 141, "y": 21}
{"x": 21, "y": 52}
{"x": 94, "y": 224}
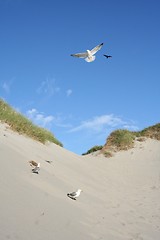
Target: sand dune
{"x": 120, "y": 198}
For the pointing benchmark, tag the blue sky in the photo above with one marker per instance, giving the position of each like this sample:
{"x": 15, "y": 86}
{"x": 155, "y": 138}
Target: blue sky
{"x": 80, "y": 102}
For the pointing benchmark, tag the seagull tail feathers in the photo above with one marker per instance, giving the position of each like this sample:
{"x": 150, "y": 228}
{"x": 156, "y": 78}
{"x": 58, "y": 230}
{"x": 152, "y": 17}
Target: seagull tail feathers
{"x": 90, "y": 59}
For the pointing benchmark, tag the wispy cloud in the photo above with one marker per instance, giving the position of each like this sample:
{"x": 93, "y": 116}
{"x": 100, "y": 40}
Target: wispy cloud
{"x": 6, "y": 86}
{"x": 101, "y": 123}
{"x": 69, "y": 92}
{"x": 131, "y": 127}
{"x": 48, "y": 87}
{"x": 39, "y": 118}
{"x": 42, "y": 120}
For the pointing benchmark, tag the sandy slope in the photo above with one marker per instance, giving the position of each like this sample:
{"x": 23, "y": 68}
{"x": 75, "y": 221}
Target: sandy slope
{"x": 120, "y": 198}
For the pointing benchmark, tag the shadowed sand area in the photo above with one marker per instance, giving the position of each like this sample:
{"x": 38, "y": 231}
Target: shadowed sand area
{"x": 120, "y": 198}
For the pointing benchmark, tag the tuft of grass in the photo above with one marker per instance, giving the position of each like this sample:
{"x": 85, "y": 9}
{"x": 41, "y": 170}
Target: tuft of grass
{"x": 107, "y": 154}
{"x": 124, "y": 139}
{"x": 22, "y": 125}
{"x": 93, "y": 149}
{"x": 121, "y": 139}
{"x": 152, "y": 132}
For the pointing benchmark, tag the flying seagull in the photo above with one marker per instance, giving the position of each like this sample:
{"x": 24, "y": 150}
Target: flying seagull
{"x": 36, "y": 169}
{"x": 89, "y": 54}
{"x": 74, "y": 195}
{"x": 107, "y": 56}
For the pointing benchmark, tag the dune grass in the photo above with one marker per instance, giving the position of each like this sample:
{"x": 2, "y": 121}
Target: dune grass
{"x": 93, "y": 149}
{"x": 123, "y": 139}
{"x": 22, "y": 125}
{"x": 118, "y": 140}
{"x": 152, "y": 132}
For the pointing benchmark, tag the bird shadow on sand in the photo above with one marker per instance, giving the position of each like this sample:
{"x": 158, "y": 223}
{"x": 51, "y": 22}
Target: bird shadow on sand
{"x": 71, "y": 197}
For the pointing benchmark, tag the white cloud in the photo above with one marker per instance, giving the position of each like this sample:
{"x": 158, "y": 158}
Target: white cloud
{"x": 46, "y": 121}
{"x": 48, "y": 87}
{"x": 131, "y": 127}
{"x": 69, "y": 92}
{"x": 39, "y": 118}
{"x": 7, "y": 86}
{"x": 101, "y": 123}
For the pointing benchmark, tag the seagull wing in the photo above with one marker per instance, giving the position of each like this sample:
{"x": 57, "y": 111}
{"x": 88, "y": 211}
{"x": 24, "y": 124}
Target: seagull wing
{"x": 96, "y": 49}
{"x": 80, "y": 55}
{"x": 36, "y": 169}
{"x": 73, "y": 194}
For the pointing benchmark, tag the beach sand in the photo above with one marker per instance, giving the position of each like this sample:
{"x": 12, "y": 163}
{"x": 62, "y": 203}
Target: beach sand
{"x": 120, "y": 198}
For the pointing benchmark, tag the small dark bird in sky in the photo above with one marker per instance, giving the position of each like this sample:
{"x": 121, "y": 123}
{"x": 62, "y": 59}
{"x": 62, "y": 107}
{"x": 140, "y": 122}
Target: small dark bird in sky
{"x": 107, "y": 56}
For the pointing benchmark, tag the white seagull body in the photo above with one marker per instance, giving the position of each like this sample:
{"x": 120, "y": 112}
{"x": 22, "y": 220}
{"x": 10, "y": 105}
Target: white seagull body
{"x": 74, "y": 195}
{"x": 89, "y": 54}
{"x": 36, "y": 169}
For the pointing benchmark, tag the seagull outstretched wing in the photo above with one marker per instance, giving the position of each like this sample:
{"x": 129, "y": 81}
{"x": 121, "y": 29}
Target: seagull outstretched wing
{"x": 80, "y": 55}
{"x": 96, "y": 49}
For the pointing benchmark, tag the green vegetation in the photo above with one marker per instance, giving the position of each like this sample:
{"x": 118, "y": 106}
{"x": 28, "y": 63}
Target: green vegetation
{"x": 93, "y": 149}
{"x": 22, "y": 125}
{"x": 152, "y": 132}
{"x": 118, "y": 140}
{"x": 107, "y": 154}
{"x": 122, "y": 139}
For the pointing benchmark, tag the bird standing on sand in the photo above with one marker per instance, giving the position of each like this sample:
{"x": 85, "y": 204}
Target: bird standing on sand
{"x": 36, "y": 169}
{"x": 107, "y": 56}
{"x": 74, "y": 195}
{"x": 89, "y": 54}
{"x": 33, "y": 163}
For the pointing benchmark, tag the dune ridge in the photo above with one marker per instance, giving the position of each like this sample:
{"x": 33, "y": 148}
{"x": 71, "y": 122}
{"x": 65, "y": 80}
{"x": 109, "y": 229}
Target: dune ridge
{"x": 120, "y": 198}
